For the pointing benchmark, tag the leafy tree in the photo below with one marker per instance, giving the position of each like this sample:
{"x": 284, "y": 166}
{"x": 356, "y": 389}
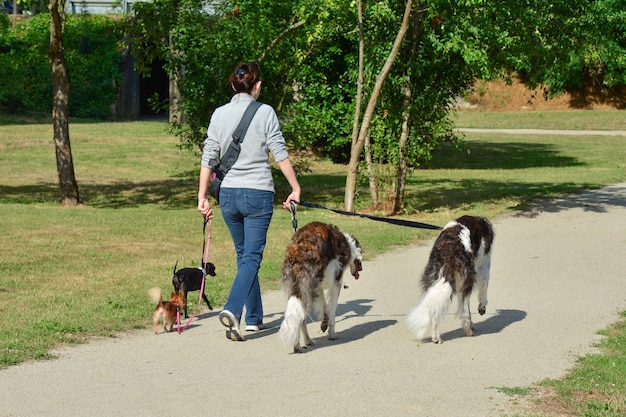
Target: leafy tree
{"x": 93, "y": 57}
{"x": 202, "y": 49}
{"x": 404, "y": 60}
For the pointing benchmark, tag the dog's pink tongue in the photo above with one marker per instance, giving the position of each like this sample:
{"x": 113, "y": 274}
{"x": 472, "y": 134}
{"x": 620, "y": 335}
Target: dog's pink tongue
{"x": 356, "y": 276}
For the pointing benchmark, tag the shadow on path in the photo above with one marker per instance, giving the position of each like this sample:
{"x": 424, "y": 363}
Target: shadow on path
{"x": 494, "y": 324}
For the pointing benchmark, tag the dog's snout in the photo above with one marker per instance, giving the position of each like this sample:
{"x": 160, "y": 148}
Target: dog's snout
{"x": 355, "y": 267}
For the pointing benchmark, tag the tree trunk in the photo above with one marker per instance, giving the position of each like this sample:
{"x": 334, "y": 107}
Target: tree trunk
{"x": 401, "y": 170}
{"x": 407, "y": 94}
{"x": 359, "y": 83}
{"x": 371, "y": 173}
{"x": 60, "y": 99}
{"x": 357, "y": 147}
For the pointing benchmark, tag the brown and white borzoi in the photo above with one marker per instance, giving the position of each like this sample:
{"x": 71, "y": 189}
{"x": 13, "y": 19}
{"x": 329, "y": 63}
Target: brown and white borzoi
{"x": 459, "y": 261}
{"x": 312, "y": 272}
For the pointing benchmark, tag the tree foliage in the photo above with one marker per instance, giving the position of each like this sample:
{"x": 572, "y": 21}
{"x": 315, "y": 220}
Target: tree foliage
{"x": 93, "y": 54}
{"x": 308, "y": 52}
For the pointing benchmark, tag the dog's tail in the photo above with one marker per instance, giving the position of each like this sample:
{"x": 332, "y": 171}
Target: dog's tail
{"x": 155, "y": 295}
{"x": 294, "y": 316}
{"x": 431, "y": 309}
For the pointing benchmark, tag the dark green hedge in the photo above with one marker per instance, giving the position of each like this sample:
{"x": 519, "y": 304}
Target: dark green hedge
{"x": 92, "y": 51}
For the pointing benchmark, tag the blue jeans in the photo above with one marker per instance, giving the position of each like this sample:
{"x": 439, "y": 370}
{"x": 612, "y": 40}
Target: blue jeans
{"x": 247, "y": 213}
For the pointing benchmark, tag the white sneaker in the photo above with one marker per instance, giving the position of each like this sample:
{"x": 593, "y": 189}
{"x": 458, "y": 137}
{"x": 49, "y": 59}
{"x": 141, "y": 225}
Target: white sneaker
{"x": 229, "y": 320}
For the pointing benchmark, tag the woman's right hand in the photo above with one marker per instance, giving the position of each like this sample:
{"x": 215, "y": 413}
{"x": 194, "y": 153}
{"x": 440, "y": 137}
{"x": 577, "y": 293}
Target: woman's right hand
{"x": 204, "y": 207}
{"x": 294, "y": 196}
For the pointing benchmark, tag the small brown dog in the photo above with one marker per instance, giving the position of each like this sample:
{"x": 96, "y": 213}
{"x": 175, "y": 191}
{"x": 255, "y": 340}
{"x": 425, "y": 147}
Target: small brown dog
{"x": 166, "y": 310}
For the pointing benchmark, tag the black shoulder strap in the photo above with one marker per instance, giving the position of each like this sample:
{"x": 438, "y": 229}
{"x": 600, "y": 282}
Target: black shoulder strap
{"x": 241, "y": 130}
{"x": 232, "y": 153}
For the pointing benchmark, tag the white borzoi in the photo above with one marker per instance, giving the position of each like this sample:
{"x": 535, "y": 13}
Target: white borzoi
{"x": 459, "y": 261}
{"x": 312, "y": 272}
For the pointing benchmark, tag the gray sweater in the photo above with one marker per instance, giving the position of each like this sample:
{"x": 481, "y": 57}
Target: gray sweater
{"x": 252, "y": 168}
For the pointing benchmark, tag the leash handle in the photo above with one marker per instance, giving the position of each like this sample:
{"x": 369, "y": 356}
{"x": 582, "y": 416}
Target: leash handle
{"x": 294, "y": 220}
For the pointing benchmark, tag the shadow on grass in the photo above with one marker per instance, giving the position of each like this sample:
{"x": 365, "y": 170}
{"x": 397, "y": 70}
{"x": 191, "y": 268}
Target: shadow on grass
{"x": 505, "y": 155}
{"x": 427, "y": 195}
{"x": 421, "y": 196}
{"x": 172, "y": 193}
{"x": 589, "y": 200}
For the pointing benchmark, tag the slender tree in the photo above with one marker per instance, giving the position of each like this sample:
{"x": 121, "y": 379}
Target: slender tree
{"x": 357, "y": 146}
{"x": 60, "y": 100}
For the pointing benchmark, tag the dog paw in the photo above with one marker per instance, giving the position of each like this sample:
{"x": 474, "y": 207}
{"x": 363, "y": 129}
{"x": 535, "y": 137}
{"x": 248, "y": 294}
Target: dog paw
{"x": 299, "y": 349}
{"x": 482, "y": 310}
{"x": 324, "y": 326}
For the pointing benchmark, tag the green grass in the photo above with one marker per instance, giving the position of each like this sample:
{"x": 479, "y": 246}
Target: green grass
{"x": 514, "y": 391}
{"x": 595, "y": 387}
{"x": 566, "y": 120}
{"x": 68, "y": 274}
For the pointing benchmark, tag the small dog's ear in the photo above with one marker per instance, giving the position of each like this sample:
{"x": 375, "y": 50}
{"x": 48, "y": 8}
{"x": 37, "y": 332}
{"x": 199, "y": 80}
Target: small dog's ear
{"x": 173, "y": 295}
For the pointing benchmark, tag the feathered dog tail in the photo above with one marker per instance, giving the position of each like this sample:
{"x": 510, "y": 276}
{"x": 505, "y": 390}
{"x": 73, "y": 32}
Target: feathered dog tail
{"x": 290, "y": 327}
{"x": 430, "y": 311}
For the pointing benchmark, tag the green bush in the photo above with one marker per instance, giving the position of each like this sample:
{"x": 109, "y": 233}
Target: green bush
{"x": 93, "y": 58}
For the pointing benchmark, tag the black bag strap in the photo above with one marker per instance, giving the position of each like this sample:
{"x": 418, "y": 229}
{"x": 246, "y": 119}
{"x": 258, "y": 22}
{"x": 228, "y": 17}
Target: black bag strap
{"x": 232, "y": 153}
{"x": 241, "y": 130}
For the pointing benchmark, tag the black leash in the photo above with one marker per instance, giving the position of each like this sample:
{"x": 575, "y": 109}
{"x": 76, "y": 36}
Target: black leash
{"x": 397, "y": 222}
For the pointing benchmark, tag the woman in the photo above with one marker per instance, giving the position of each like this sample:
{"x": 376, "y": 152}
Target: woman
{"x": 247, "y": 191}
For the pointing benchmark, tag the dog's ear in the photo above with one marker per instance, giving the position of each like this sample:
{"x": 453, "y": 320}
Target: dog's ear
{"x": 173, "y": 295}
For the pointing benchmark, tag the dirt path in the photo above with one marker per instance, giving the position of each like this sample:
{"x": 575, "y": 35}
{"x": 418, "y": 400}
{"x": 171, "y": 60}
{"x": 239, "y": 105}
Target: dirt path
{"x": 557, "y": 277}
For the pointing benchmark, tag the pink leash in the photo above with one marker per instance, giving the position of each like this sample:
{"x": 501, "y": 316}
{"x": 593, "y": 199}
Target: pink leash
{"x": 205, "y": 258}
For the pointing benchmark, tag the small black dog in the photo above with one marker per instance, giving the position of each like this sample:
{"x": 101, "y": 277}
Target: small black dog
{"x": 190, "y": 279}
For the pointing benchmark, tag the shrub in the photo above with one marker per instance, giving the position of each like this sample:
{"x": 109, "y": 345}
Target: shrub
{"x": 92, "y": 55}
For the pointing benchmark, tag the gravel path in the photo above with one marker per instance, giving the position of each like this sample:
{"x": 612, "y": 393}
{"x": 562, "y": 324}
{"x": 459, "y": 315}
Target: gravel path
{"x": 557, "y": 277}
